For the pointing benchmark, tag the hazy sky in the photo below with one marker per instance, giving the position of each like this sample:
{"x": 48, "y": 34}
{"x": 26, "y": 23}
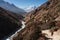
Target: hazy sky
{"x": 26, "y": 3}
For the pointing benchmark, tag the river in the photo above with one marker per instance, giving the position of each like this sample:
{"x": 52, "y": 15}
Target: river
{"x": 15, "y": 34}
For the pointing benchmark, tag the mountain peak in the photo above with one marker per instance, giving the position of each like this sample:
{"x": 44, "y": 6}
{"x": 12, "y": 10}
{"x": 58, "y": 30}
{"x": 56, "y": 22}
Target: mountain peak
{"x": 30, "y": 8}
{"x": 11, "y": 7}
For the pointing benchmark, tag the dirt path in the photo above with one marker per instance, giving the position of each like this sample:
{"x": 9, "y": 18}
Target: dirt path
{"x": 55, "y": 36}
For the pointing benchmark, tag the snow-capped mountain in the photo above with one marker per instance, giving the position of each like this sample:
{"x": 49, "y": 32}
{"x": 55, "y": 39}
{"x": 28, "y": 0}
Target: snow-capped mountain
{"x": 30, "y": 8}
{"x": 11, "y": 7}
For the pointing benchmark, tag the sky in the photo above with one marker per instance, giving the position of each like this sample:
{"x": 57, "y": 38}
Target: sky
{"x": 26, "y": 3}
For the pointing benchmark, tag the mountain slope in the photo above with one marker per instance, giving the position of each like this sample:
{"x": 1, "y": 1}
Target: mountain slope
{"x": 45, "y": 17}
{"x": 9, "y": 23}
{"x": 11, "y": 7}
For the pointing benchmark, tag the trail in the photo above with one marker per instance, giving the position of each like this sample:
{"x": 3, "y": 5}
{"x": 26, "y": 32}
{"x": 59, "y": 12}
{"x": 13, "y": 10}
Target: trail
{"x": 55, "y": 36}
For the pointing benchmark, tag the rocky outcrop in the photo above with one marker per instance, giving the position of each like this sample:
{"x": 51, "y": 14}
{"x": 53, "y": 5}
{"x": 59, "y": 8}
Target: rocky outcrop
{"x": 9, "y": 22}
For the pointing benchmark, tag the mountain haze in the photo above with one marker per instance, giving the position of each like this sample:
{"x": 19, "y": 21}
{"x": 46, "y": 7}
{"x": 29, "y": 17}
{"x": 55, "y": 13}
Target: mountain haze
{"x": 11, "y": 7}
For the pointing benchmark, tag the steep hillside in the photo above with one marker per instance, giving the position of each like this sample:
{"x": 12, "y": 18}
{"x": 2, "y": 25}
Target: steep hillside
{"x": 45, "y": 14}
{"x": 9, "y": 23}
{"x": 45, "y": 17}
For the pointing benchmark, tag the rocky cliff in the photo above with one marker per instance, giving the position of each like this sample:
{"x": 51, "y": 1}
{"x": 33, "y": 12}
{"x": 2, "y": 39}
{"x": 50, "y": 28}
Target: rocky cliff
{"x": 45, "y": 17}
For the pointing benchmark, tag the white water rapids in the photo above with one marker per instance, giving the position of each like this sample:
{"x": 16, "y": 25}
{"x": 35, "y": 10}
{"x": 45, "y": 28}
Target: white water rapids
{"x": 15, "y": 34}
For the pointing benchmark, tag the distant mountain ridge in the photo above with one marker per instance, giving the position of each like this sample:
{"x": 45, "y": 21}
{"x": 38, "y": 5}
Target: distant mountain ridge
{"x": 30, "y": 8}
{"x": 11, "y": 7}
